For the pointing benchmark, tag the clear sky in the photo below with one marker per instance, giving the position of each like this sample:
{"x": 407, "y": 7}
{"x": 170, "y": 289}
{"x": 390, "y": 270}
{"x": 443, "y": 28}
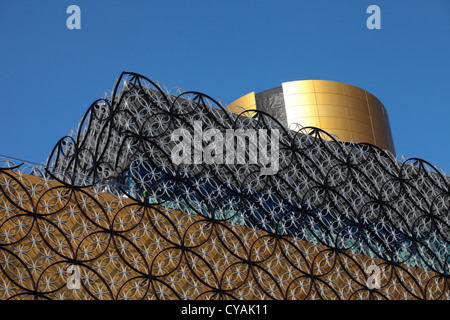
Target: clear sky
{"x": 49, "y": 75}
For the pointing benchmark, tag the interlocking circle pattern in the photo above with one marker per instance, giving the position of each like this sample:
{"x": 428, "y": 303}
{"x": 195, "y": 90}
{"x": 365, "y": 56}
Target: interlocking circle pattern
{"x": 112, "y": 217}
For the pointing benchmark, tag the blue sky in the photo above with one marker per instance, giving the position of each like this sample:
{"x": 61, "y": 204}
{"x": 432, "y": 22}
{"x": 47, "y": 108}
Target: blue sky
{"x": 50, "y": 74}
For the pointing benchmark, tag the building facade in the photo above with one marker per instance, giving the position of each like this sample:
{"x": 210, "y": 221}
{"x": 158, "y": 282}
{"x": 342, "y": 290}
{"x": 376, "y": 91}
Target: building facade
{"x": 111, "y": 215}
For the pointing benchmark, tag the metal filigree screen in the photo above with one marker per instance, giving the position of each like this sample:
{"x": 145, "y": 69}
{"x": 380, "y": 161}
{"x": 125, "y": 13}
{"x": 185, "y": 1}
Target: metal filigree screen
{"x": 111, "y": 216}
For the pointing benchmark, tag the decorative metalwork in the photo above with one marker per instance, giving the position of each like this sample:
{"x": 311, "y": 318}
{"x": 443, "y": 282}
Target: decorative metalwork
{"x": 112, "y": 217}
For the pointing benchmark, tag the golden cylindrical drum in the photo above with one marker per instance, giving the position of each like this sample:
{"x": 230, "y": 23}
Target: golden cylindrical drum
{"x": 351, "y": 113}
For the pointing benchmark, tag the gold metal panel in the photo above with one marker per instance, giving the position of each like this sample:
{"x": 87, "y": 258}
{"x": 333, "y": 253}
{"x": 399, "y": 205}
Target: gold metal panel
{"x": 334, "y": 123}
{"x": 377, "y": 116}
{"x": 294, "y": 87}
{"x": 361, "y": 127}
{"x": 381, "y": 138}
{"x": 343, "y": 135}
{"x": 378, "y": 123}
{"x": 375, "y": 104}
{"x": 330, "y": 98}
{"x": 359, "y": 137}
{"x": 386, "y": 140}
{"x": 355, "y": 103}
{"x": 352, "y": 91}
{"x": 299, "y": 99}
{"x": 247, "y": 102}
{"x": 332, "y": 111}
{"x": 309, "y": 110}
{"x": 358, "y": 115}
{"x": 328, "y": 86}
{"x": 305, "y": 121}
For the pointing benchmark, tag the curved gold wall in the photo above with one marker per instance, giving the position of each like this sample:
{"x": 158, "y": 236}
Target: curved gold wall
{"x": 347, "y": 111}
{"x": 247, "y": 102}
